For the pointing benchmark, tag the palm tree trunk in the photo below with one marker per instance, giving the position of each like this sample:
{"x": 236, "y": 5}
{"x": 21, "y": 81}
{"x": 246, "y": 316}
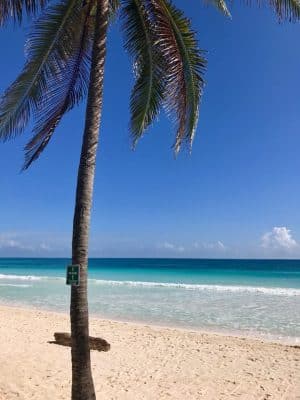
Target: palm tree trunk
{"x": 82, "y": 381}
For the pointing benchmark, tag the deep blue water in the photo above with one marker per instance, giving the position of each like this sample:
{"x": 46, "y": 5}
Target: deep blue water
{"x": 249, "y": 296}
{"x": 270, "y": 273}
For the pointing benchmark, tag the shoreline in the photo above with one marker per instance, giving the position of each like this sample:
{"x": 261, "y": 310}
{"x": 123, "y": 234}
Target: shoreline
{"x": 258, "y": 336}
{"x": 144, "y": 362}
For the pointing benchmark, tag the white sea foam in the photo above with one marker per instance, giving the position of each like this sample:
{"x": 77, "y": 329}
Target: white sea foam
{"x": 14, "y": 285}
{"x": 20, "y": 277}
{"x": 30, "y": 277}
{"x": 275, "y": 291}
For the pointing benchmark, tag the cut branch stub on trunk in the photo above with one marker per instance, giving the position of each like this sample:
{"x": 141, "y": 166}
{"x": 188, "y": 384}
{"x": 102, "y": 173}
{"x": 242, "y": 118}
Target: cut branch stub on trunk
{"x": 64, "y": 339}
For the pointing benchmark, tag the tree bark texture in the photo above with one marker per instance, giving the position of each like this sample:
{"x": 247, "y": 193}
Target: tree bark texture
{"x": 82, "y": 381}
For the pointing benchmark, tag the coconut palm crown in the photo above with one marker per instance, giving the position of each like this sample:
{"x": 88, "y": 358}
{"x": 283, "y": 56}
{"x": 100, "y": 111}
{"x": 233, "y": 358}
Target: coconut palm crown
{"x": 167, "y": 62}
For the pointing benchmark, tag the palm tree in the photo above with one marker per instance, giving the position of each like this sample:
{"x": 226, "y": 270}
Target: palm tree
{"x": 65, "y": 62}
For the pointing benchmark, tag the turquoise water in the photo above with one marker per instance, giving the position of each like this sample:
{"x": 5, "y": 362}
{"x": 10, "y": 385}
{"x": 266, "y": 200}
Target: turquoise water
{"x": 256, "y": 297}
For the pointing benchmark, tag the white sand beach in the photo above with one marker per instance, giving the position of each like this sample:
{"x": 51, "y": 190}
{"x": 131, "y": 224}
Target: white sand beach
{"x": 144, "y": 362}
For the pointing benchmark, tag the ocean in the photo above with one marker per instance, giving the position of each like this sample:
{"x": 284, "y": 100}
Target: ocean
{"x": 246, "y": 297}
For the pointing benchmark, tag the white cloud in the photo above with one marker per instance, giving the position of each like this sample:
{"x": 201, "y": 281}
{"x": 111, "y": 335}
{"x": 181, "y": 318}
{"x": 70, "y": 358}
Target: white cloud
{"x": 10, "y": 241}
{"x": 172, "y": 247}
{"x": 167, "y": 245}
{"x": 279, "y": 238}
{"x": 24, "y": 243}
{"x": 219, "y": 246}
{"x": 44, "y": 246}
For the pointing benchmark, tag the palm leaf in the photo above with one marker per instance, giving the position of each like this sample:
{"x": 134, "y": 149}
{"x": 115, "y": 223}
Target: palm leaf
{"x": 48, "y": 49}
{"x": 147, "y": 93}
{"x": 221, "y": 6}
{"x": 114, "y": 6}
{"x": 15, "y": 9}
{"x": 185, "y": 67}
{"x": 286, "y": 9}
{"x": 67, "y": 91}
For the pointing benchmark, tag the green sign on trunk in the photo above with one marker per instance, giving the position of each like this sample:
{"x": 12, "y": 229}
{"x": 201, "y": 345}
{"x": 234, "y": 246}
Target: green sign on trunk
{"x": 73, "y": 275}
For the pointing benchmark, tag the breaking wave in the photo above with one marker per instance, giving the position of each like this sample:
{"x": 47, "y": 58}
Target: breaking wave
{"x": 21, "y": 277}
{"x": 274, "y": 291}
{"x": 14, "y": 285}
{"x": 30, "y": 278}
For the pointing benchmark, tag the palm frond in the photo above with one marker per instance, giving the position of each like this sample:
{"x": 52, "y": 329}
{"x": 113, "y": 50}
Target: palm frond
{"x": 15, "y": 9}
{"x": 114, "y": 6}
{"x": 288, "y": 10}
{"x": 221, "y": 6}
{"x": 49, "y": 47}
{"x": 67, "y": 91}
{"x": 147, "y": 93}
{"x": 185, "y": 65}
{"x": 285, "y": 10}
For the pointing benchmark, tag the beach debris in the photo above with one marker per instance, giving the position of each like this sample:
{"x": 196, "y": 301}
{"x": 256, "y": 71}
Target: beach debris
{"x": 64, "y": 339}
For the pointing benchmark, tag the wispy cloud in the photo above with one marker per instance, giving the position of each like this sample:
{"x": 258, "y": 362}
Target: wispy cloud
{"x": 218, "y": 245}
{"x": 172, "y": 247}
{"x": 29, "y": 244}
{"x": 11, "y": 241}
{"x": 278, "y": 242}
{"x": 193, "y": 249}
{"x": 280, "y": 237}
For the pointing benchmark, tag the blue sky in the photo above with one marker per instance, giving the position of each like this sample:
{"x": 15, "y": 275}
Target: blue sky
{"x": 237, "y": 195}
